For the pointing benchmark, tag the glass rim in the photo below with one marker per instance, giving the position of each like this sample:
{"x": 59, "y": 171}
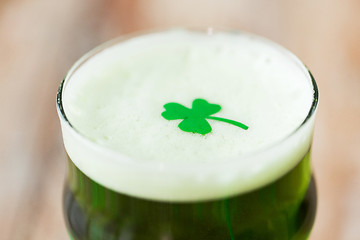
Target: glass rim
{"x": 208, "y": 31}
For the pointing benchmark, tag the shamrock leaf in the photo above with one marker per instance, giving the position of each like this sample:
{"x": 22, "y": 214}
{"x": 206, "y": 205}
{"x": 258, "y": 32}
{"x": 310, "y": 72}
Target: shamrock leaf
{"x": 194, "y": 120}
{"x": 196, "y": 125}
{"x": 175, "y": 111}
{"x": 203, "y": 108}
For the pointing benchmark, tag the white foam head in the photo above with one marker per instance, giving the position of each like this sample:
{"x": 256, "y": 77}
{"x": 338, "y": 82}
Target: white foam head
{"x": 114, "y": 96}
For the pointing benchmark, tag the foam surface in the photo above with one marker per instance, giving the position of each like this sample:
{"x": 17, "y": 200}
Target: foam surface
{"x": 115, "y": 99}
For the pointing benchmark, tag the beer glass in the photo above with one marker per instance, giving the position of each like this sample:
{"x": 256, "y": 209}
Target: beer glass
{"x": 265, "y": 193}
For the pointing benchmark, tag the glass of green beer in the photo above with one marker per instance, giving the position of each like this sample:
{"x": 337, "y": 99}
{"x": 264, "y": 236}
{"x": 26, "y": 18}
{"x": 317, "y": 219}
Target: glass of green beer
{"x": 186, "y": 134}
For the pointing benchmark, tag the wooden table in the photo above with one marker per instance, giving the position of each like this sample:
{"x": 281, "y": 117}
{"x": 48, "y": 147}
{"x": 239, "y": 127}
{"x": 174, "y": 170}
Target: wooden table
{"x": 40, "y": 39}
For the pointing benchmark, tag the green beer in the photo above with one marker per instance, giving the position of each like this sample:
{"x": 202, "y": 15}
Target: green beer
{"x": 143, "y": 164}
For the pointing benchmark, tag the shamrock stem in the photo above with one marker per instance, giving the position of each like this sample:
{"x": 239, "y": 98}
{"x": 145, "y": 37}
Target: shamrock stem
{"x": 243, "y": 126}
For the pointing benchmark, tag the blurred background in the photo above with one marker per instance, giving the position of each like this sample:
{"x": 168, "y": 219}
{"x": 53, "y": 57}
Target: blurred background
{"x": 41, "y": 39}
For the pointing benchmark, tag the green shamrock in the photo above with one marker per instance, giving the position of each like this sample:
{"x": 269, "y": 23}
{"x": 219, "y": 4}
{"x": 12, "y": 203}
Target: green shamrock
{"x": 195, "y": 118}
